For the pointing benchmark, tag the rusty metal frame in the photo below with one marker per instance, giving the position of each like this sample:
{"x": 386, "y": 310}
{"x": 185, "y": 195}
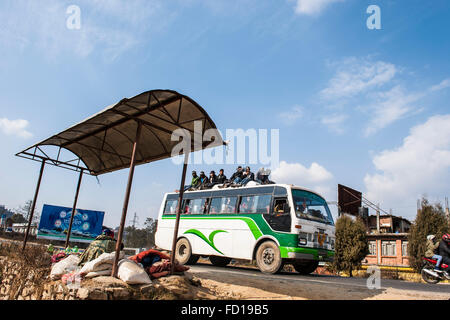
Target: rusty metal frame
{"x": 36, "y": 153}
{"x": 30, "y": 154}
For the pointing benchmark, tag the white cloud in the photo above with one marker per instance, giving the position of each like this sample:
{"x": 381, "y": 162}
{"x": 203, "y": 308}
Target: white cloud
{"x": 443, "y": 85}
{"x": 15, "y": 127}
{"x": 355, "y": 76}
{"x": 334, "y": 122}
{"x": 420, "y": 166}
{"x": 375, "y": 89}
{"x": 107, "y": 27}
{"x": 313, "y": 7}
{"x": 392, "y": 105}
{"x": 316, "y": 177}
{"x": 289, "y": 117}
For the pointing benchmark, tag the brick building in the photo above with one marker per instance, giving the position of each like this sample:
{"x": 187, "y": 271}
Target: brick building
{"x": 388, "y": 240}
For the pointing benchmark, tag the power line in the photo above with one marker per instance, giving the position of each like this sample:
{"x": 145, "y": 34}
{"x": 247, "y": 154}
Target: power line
{"x": 367, "y": 202}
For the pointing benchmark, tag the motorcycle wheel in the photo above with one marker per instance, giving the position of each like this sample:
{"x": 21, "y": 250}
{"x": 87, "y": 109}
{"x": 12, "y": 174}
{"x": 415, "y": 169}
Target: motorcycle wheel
{"x": 428, "y": 278}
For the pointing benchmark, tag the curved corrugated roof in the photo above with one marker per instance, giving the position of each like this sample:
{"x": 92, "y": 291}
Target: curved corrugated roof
{"x": 104, "y": 142}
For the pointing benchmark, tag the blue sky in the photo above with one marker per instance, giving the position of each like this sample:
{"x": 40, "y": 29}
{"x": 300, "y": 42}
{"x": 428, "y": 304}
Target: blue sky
{"x": 365, "y": 108}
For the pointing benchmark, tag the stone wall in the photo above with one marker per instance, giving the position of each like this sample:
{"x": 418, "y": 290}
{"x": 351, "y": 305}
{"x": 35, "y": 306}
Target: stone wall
{"x": 19, "y": 282}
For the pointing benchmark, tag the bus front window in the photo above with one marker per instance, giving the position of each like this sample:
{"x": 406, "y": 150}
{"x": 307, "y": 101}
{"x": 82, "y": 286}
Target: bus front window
{"x": 312, "y": 207}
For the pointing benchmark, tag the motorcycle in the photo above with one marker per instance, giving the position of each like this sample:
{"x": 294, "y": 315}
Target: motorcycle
{"x": 429, "y": 275}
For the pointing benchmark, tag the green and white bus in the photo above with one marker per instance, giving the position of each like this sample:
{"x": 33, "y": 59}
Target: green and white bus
{"x": 273, "y": 225}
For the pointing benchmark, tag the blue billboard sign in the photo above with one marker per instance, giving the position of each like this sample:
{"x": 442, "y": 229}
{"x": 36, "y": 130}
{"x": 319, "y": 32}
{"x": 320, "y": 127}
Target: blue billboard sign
{"x": 55, "y": 220}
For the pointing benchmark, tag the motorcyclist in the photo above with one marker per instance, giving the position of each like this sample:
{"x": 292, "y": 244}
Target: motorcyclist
{"x": 432, "y": 246}
{"x": 444, "y": 249}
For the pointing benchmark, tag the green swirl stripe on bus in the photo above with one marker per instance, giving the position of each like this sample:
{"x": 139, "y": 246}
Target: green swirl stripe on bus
{"x": 250, "y": 223}
{"x": 209, "y": 241}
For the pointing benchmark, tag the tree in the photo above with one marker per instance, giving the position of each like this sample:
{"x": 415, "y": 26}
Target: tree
{"x": 25, "y": 211}
{"x": 150, "y": 227}
{"x": 141, "y": 238}
{"x": 351, "y": 244}
{"x": 430, "y": 219}
{"x": 16, "y": 218}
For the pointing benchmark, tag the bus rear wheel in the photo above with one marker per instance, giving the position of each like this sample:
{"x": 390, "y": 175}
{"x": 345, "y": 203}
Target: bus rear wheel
{"x": 268, "y": 258}
{"x": 219, "y": 261}
{"x": 183, "y": 252}
{"x": 305, "y": 267}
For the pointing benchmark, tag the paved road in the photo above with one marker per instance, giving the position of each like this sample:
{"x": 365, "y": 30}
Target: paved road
{"x": 327, "y": 282}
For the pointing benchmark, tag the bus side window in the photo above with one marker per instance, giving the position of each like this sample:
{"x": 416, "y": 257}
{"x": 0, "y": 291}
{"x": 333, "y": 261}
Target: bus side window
{"x": 280, "y": 206}
{"x": 171, "y": 207}
{"x": 214, "y": 207}
{"x": 262, "y": 204}
{"x": 187, "y": 209}
{"x": 228, "y": 205}
{"x": 205, "y": 206}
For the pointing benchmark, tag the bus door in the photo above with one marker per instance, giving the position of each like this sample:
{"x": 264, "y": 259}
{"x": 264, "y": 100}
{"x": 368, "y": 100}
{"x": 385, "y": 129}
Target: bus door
{"x": 279, "y": 217}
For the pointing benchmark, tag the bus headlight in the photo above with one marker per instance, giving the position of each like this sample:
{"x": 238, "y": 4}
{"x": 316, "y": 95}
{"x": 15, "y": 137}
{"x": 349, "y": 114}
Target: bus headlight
{"x": 302, "y": 238}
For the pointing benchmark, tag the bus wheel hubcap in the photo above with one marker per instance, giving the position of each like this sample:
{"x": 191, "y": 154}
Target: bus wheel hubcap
{"x": 182, "y": 251}
{"x": 268, "y": 256}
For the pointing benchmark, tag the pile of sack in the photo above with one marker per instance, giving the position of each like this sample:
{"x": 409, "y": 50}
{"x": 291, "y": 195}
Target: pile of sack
{"x": 98, "y": 258}
{"x": 68, "y": 269}
{"x": 138, "y": 269}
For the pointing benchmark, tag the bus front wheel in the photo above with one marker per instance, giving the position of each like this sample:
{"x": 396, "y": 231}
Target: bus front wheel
{"x": 183, "y": 252}
{"x": 305, "y": 267}
{"x": 268, "y": 257}
{"x": 219, "y": 261}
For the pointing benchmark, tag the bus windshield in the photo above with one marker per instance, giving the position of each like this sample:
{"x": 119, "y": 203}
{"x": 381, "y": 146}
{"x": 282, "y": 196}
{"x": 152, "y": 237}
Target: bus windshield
{"x": 311, "y": 207}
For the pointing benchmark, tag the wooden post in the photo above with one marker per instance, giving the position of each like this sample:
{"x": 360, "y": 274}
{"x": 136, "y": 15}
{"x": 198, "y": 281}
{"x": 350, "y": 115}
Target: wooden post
{"x": 127, "y": 198}
{"x": 179, "y": 209}
{"x": 73, "y": 209}
{"x": 33, "y": 205}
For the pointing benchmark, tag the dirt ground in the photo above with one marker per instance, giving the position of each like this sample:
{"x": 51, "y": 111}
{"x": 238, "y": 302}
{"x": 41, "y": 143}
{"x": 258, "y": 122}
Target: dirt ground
{"x": 241, "y": 287}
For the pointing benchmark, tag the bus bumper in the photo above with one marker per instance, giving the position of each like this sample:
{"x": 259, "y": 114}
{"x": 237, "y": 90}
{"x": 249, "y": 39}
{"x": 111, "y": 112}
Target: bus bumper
{"x": 307, "y": 254}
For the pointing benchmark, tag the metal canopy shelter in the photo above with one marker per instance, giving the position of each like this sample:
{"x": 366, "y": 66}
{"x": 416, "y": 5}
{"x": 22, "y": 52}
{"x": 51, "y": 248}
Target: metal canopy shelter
{"x": 131, "y": 132}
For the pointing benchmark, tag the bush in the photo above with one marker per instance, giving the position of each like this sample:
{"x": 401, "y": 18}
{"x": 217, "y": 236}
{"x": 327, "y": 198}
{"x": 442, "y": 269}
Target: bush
{"x": 351, "y": 245}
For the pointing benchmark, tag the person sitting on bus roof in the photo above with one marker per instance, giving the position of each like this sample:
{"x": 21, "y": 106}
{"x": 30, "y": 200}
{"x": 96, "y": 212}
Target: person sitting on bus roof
{"x": 262, "y": 176}
{"x": 212, "y": 180}
{"x": 221, "y": 178}
{"x": 247, "y": 177}
{"x": 194, "y": 182}
{"x": 236, "y": 177}
{"x": 203, "y": 178}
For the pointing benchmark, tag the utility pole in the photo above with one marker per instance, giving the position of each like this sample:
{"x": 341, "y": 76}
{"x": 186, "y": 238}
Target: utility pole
{"x": 447, "y": 212}
{"x": 378, "y": 218}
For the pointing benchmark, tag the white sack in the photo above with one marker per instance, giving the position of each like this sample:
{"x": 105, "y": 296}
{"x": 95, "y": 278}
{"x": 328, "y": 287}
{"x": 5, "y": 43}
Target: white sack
{"x": 64, "y": 266}
{"x": 99, "y": 273}
{"x": 101, "y": 262}
{"x": 132, "y": 273}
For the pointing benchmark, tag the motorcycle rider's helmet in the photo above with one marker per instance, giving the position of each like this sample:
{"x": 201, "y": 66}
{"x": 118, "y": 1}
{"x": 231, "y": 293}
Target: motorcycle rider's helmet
{"x": 446, "y": 237}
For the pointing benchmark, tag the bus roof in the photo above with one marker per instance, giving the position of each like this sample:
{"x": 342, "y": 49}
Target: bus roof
{"x": 269, "y": 188}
